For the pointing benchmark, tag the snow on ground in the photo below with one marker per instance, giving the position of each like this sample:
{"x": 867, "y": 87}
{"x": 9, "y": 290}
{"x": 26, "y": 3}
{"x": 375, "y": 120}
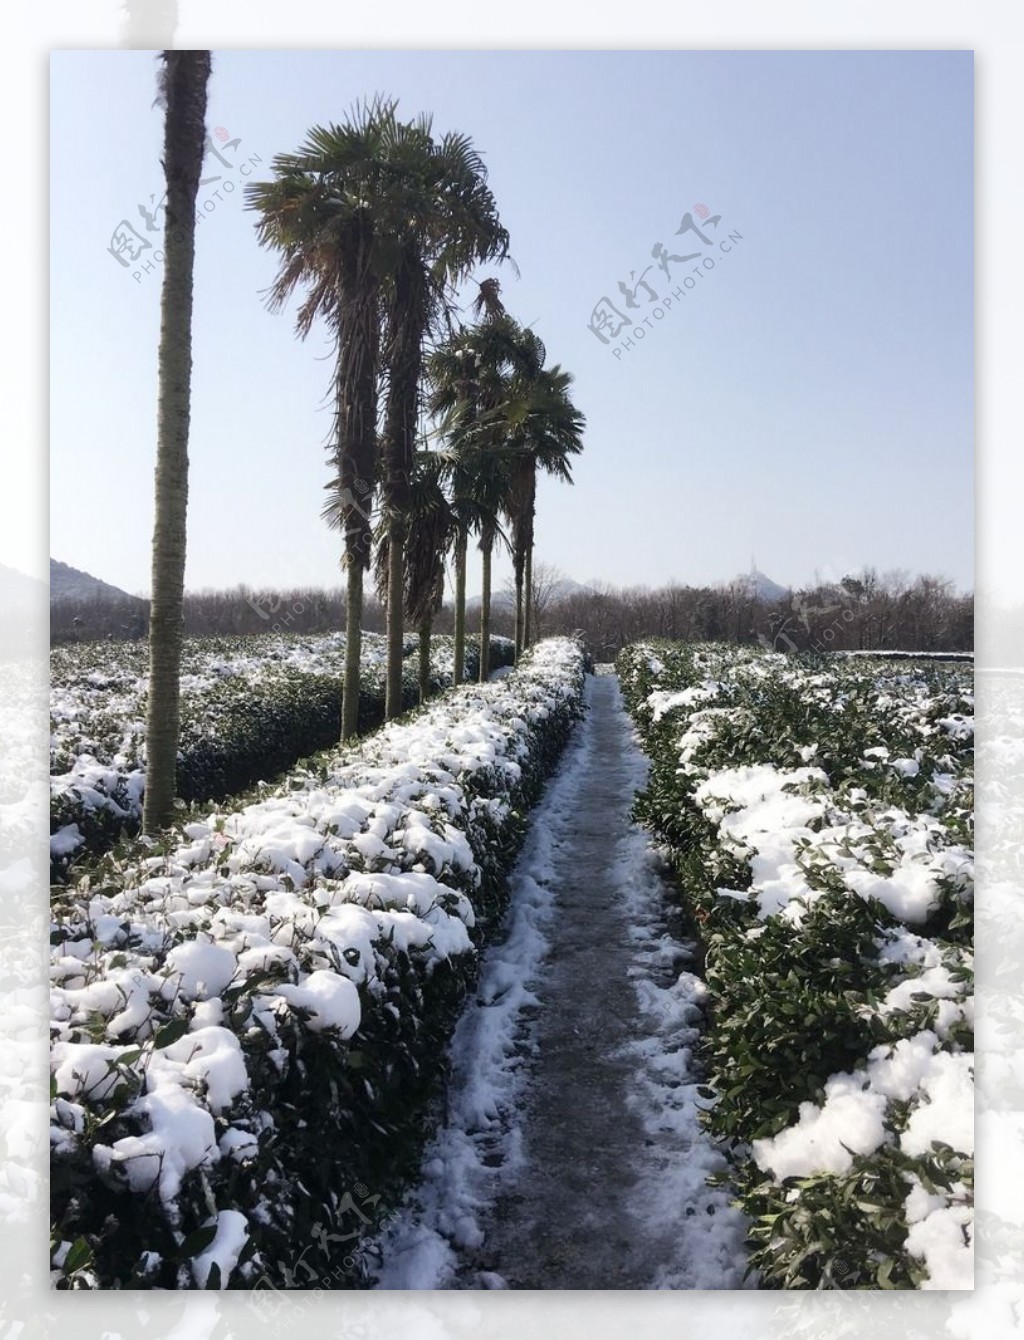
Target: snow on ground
{"x": 691, "y": 1237}
{"x": 711, "y": 1252}
{"x": 479, "y": 1143}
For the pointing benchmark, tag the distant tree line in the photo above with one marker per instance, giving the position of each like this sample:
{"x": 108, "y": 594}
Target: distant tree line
{"x": 240, "y": 611}
{"x": 92, "y": 620}
{"x": 864, "y": 612}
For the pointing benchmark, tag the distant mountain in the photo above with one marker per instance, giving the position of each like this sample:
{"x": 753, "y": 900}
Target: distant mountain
{"x": 503, "y": 599}
{"x": 760, "y": 587}
{"x": 67, "y": 583}
{"x": 567, "y": 587}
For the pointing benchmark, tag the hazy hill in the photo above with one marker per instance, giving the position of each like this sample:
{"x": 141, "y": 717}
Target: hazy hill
{"x": 504, "y": 599}
{"x": 760, "y": 587}
{"x": 67, "y": 583}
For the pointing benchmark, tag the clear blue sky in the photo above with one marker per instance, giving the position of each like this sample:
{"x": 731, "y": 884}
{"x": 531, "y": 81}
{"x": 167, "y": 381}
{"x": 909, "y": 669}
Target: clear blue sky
{"x": 810, "y": 401}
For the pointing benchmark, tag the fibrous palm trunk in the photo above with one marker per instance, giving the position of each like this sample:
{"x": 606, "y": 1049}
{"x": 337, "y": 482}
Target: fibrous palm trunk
{"x": 520, "y": 615}
{"x": 395, "y": 626}
{"x": 407, "y": 322}
{"x": 426, "y": 625}
{"x": 353, "y": 649}
{"x": 529, "y": 632}
{"x": 184, "y": 82}
{"x": 461, "y": 546}
{"x": 523, "y": 504}
{"x": 486, "y": 545}
{"x": 358, "y": 341}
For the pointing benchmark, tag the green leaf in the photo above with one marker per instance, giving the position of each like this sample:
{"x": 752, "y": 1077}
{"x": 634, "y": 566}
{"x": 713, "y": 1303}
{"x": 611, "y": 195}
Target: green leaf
{"x": 79, "y": 1255}
{"x": 170, "y": 1033}
{"x": 198, "y": 1240}
{"x": 884, "y": 1275}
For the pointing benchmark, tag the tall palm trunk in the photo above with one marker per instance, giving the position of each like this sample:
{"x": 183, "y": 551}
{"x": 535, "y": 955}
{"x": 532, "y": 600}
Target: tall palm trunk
{"x": 520, "y": 617}
{"x": 467, "y": 395}
{"x": 358, "y": 347}
{"x": 395, "y": 625}
{"x": 528, "y": 629}
{"x": 408, "y": 319}
{"x": 353, "y": 648}
{"x": 487, "y": 546}
{"x": 521, "y": 508}
{"x": 461, "y": 546}
{"x": 426, "y": 624}
{"x": 183, "y": 85}
{"x": 528, "y": 519}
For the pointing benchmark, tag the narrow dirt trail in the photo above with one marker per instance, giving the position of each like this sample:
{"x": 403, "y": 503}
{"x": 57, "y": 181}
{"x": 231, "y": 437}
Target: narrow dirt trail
{"x": 571, "y": 1156}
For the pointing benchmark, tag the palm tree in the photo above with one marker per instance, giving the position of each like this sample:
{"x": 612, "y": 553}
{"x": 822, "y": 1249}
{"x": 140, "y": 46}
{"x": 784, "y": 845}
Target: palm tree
{"x": 432, "y": 530}
{"x": 485, "y": 472}
{"x": 451, "y": 371}
{"x": 447, "y": 222}
{"x": 380, "y": 220}
{"x": 473, "y": 377}
{"x": 182, "y": 89}
{"x": 546, "y": 429}
{"x": 453, "y": 375}
{"x": 327, "y": 212}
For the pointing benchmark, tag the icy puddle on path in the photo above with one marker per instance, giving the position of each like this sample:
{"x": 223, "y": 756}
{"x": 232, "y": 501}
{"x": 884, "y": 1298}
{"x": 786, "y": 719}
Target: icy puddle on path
{"x": 571, "y": 1155}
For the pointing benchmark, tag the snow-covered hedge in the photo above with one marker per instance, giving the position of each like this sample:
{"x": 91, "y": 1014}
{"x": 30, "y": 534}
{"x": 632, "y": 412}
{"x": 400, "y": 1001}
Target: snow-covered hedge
{"x": 819, "y": 814}
{"x": 894, "y": 655}
{"x": 251, "y": 707}
{"x": 246, "y": 1023}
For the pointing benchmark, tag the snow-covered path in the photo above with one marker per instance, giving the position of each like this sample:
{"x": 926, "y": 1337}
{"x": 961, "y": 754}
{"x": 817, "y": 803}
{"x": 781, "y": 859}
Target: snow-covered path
{"x": 571, "y": 1156}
